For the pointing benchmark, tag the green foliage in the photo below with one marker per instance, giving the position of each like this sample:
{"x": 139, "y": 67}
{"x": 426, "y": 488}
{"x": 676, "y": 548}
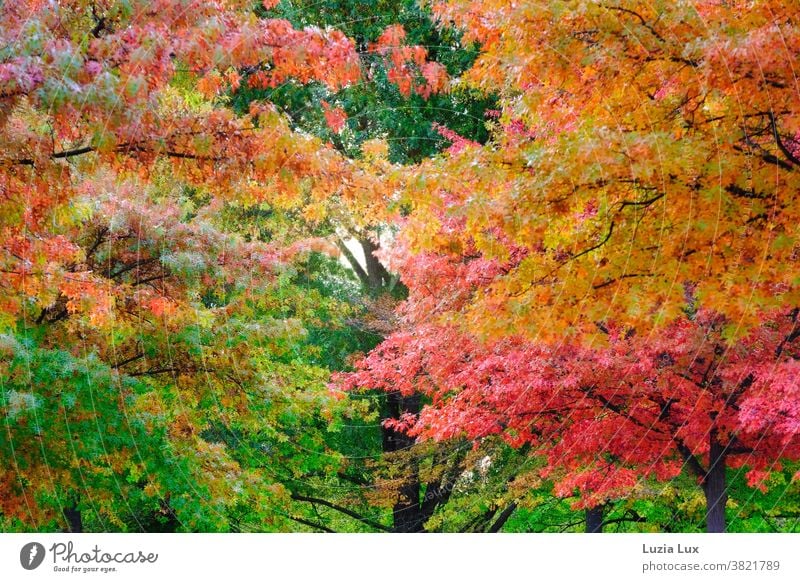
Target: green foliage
{"x": 376, "y": 108}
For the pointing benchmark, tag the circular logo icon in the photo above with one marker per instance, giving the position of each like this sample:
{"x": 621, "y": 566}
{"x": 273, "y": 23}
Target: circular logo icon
{"x": 31, "y": 555}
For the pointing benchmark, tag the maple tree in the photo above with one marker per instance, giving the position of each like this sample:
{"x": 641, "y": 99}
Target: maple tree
{"x": 608, "y": 418}
{"x": 397, "y": 113}
{"x": 141, "y": 333}
{"x": 643, "y": 164}
{"x": 637, "y": 147}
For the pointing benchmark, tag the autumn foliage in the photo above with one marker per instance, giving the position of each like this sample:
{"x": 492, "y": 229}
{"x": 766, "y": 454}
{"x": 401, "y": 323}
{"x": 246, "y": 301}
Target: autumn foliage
{"x": 597, "y": 291}
{"x": 128, "y": 305}
{"x": 614, "y": 281}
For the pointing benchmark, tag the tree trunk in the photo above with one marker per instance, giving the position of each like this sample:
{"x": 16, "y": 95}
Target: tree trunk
{"x": 407, "y": 513}
{"x": 377, "y": 275}
{"x": 501, "y": 521}
{"x": 715, "y": 488}
{"x": 74, "y": 521}
{"x": 410, "y": 512}
{"x": 594, "y": 519}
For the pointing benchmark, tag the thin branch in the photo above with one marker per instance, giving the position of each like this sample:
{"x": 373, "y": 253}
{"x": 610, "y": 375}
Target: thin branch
{"x": 617, "y": 279}
{"x": 122, "y": 148}
{"x": 101, "y": 234}
{"x": 149, "y": 279}
{"x": 72, "y": 153}
{"x": 620, "y": 412}
{"x": 643, "y": 203}
{"x": 133, "y": 265}
{"x": 565, "y": 527}
{"x": 154, "y": 371}
{"x": 129, "y": 360}
{"x": 739, "y": 192}
{"x": 629, "y": 516}
{"x": 638, "y": 16}
{"x": 318, "y": 526}
{"x": 598, "y": 245}
{"x": 793, "y": 335}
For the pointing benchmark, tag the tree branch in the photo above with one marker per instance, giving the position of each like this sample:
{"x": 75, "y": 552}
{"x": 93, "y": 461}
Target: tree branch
{"x": 617, "y": 279}
{"x": 597, "y": 246}
{"x": 781, "y": 146}
{"x": 645, "y": 203}
{"x": 691, "y": 460}
{"x": 340, "y": 509}
{"x": 318, "y": 526}
{"x": 128, "y": 360}
{"x": 628, "y": 516}
{"x": 638, "y": 16}
{"x": 502, "y": 518}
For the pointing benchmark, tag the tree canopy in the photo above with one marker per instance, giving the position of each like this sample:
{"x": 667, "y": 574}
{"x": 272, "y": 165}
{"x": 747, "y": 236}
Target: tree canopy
{"x": 450, "y": 265}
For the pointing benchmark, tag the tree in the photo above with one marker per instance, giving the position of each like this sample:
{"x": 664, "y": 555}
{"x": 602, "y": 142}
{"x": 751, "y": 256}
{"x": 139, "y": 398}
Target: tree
{"x": 643, "y": 165}
{"x": 406, "y": 93}
{"x": 397, "y": 114}
{"x": 638, "y": 147}
{"x": 150, "y": 350}
{"x": 609, "y": 417}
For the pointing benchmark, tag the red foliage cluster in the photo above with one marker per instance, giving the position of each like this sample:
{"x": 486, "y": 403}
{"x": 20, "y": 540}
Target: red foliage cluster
{"x": 607, "y": 416}
{"x": 408, "y": 65}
